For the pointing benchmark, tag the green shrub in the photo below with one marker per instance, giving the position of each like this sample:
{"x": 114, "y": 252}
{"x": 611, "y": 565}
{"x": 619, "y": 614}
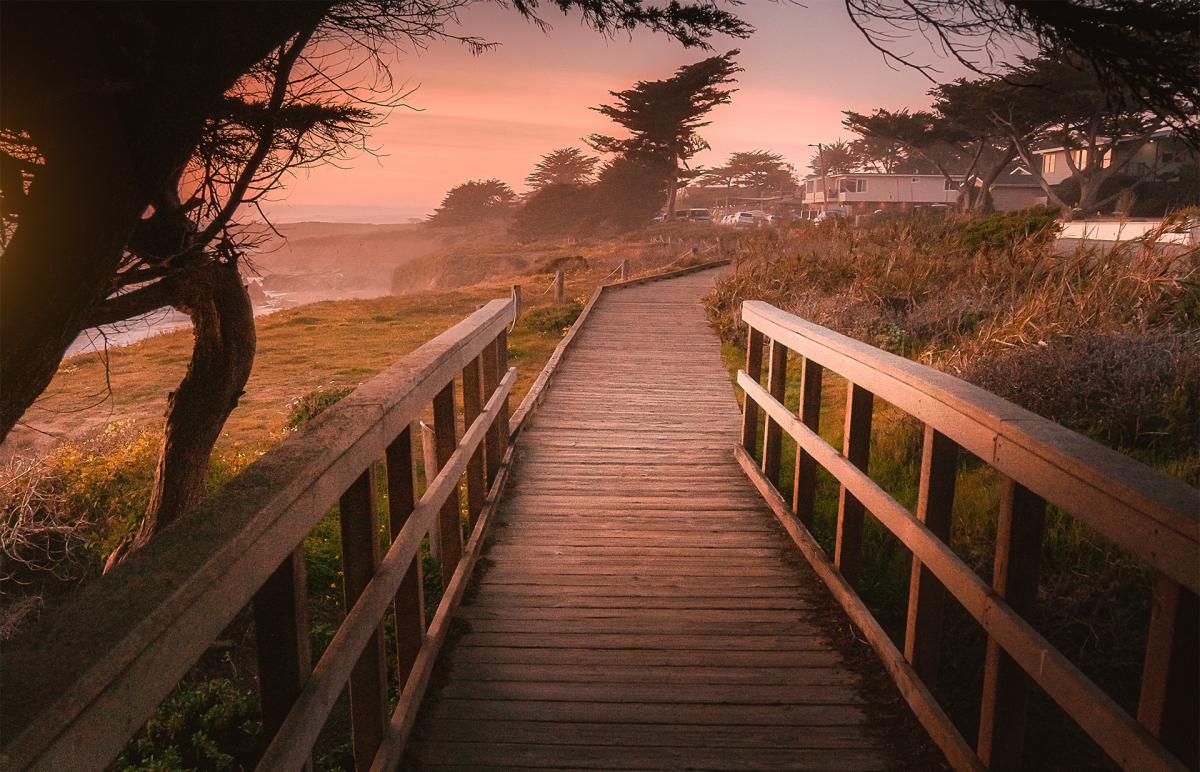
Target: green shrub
{"x": 551, "y": 320}
{"x": 304, "y": 409}
{"x": 208, "y": 725}
{"x": 1002, "y": 230}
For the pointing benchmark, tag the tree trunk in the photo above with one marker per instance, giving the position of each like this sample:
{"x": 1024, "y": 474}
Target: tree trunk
{"x": 223, "y": 321}
{"x": 983, "y": 202}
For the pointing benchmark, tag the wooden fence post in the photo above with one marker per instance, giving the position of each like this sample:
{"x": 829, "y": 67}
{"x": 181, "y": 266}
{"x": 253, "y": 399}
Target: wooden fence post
{"x": 472, "y": 386}
{"x": 773, "y": 433}
{"x": 281, "y": 633}
{"x": 1168, "y": 706}
{"x": 445, "y": 441}
{"x": 1002, "y": 712}
{"x": 856, "y": 447}
{"x": 501, "y": 370}
{"x": 409, "y": 606}
{"x": 804, "y": 488}
{"x": 926, "y": 595}
{"x": 516, "y": 298}
{"x": 491, "y": 379}
{"x": 754, "y": 351}
{"x": 368, "y": 679}
{"x": 624, "y": 270}
{"x": 429, "y": 464}
{"x": 559, "y": 290}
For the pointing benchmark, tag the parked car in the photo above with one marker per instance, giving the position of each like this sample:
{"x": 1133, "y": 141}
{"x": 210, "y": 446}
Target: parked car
{"x": 829, "y": 214}
{"x": 693, "y": 215}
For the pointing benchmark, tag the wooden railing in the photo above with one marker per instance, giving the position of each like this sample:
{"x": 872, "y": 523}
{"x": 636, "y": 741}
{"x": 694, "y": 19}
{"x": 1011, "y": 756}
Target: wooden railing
{"x": 91, "y": 676}
{"x": 1153, "y": 517}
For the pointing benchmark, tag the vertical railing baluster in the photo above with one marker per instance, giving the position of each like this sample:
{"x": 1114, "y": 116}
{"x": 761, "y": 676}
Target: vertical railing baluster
{"x": 804, "y": 487}
{"x": 856, "y": 447}
{"x": 773, "y": 432}
{"x": 1003, "y": 709}
{"x": 501, "y": 369}
{"x": 281, "y": 631}
{"x": 472, "y": 386}
{"x": 1169, "y": 706}
{"x": 368, "y": 679}
{"x": 926, "y": 595}
{"x": 429, "y": 465}
{"x": 445, "y": 435}
{"x": 409, "y": 606}
{"x": 754, "y": 351}
{"x": 491, "y": 378}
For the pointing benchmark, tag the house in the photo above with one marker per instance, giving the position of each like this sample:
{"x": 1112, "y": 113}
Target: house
{"x": 1016, "y": 189}
{"x": 1159, "y": 158}
{"x": 866, "y": 192}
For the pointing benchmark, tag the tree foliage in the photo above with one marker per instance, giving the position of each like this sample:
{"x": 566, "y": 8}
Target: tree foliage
{"x": 564, "y": 166}
{"x": 834, "y": 158}
{"x": 555, "y": 210}
{"x": 474, "y": 201}
{"x": 662, "y": 118}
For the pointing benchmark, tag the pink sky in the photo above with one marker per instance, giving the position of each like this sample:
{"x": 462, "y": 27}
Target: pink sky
{"x": 495, "y": 114}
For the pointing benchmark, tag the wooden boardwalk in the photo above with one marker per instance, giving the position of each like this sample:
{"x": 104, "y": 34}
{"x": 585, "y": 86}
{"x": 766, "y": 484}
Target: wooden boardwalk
{"x": 639, "y": 606}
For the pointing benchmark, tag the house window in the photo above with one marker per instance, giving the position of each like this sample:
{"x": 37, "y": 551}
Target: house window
{"x": 853, "y": 186}
{"x": 1106, "y": 159}
{"x": 1080, "y": 158}
{"x": 950, "y": 185}
{"x": 1048, "y": 163}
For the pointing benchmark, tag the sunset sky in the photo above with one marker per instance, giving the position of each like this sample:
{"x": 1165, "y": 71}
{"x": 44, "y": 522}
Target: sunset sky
{"x": 495, "y": 114}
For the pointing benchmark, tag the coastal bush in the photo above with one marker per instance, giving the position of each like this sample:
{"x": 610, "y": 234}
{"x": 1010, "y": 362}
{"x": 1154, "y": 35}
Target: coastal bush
{"x": 551, "y": 320}
{"x": 307, "y": 407}
{"x": 208, "y": 725}
{"x": 1001, "y": 230}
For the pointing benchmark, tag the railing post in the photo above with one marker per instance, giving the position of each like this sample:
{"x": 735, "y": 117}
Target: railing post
{"x": 804, "y": 487}
{"x": 472, "y": 386}
{"x": 1002, "y": 712}
{"x": 429, "y": 463}
{"x": 446, "y": 440}
{"x": 754, "y": 350}
{"x": 773, "y": 433}
{"x": 368, "y": 679}
{"x": 491, "y": 379}
{"x": 281, "y": 633}
{"x": 559, "y": 290}
{"x": 409, "y": 606}
{"x": 856, "y": 447}
{"x": 1168, "y": 706}
{"x": 516, "y": 298}
{"x": 501, "y": 369}
{"x": 624, "y": 270}
{"x": 926, "y": 595}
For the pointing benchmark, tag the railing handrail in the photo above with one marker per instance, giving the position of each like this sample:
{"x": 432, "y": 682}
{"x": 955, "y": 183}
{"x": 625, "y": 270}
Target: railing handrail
{"x": 101, "y": 666}
{"x": 1151, "y": 515}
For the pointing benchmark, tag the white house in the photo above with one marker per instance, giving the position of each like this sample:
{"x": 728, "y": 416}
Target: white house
{"x": 865, "y": 192}
{"x": 1161, "y": 156}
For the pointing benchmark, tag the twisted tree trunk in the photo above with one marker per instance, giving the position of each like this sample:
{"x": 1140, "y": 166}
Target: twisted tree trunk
{"x": 223, "y": 321}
